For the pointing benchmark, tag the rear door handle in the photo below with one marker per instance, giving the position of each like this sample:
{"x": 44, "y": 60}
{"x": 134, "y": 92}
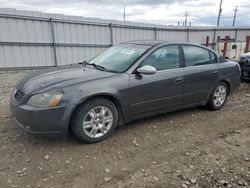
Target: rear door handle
{"x": 178, "y": 80}
{"x": 215, "y": 72}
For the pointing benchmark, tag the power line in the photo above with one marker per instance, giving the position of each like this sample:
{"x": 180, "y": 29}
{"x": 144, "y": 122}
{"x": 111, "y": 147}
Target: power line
{"x": 219, "y": 14}
{"x": 186, "y": 17}
{"x": 124, "y": 13}
{"x": 235, "y": 14}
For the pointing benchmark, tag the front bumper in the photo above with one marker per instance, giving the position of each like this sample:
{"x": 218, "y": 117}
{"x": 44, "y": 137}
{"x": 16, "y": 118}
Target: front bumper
{"x": 42, "y": 120}
{"x": 245, "y": 71}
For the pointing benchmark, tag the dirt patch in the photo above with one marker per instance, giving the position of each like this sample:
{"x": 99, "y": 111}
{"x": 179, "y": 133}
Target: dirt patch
{"x": 188, "y": 148}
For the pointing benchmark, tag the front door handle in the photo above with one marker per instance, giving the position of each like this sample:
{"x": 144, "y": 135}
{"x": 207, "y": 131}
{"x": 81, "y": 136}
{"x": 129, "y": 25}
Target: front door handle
{"x": 178, "y": 80}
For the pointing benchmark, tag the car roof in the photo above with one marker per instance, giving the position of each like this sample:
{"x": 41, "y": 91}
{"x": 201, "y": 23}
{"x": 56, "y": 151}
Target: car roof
{"x": 145, "y": 42}
{"x": 163, "y": 42}
{"x": 157, "y": 42}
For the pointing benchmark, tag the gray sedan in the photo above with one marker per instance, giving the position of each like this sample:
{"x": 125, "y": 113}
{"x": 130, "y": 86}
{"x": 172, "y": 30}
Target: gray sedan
{"x": 129, "y": 81}
{"x": 245, "y": 66}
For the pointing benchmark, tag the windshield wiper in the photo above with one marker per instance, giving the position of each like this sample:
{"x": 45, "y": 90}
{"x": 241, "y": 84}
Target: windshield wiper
{"x": 99, "y": 67}
{"x": 82, "y": 62}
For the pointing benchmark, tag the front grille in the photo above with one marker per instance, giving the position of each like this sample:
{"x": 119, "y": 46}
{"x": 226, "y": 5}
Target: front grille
{"x": 247, "y": 62}
{"x": 19, "y": 95}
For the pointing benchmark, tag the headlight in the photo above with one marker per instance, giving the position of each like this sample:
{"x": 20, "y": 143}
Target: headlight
{"x": 43, "y": 100}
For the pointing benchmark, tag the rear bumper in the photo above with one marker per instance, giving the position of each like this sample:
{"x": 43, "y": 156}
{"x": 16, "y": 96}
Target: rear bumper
{"x": 235, "y": 85}
{"x": 42, "y": 120}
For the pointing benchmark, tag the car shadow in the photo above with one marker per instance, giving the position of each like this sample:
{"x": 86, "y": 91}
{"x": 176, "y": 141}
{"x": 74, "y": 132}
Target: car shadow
{"x": 69, "y": 139}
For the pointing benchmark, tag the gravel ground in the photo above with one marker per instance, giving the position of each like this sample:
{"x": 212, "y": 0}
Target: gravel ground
{"x": 188, "y": 148}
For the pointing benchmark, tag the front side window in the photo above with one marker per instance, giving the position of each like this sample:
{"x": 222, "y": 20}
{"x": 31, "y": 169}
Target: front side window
{"x": 120, "y": 58}
{"x": 195, "y": 56}
{"x": 164, "y": 58}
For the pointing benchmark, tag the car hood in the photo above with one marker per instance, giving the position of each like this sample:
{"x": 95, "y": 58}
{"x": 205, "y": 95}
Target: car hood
{"x": 246, "y": 55}
{"x": 59, "y": 77}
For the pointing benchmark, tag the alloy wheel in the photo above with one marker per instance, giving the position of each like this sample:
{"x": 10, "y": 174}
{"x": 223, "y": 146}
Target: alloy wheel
{"x": 220, "y": 95}
{"x": 97, "y": 122}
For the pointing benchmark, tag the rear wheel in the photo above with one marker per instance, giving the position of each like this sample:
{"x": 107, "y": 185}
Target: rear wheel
{"x": 218, "y": 96}
{"x": 95, "y": 120}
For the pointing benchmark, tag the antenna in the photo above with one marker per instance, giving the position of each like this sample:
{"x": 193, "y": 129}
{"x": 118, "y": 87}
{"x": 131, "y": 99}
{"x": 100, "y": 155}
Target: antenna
{"x": 235, "y": 14}
{"x": 220, "y": 11}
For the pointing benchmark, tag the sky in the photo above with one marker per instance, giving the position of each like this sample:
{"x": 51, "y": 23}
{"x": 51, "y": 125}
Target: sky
{"x": 166, "y": 12}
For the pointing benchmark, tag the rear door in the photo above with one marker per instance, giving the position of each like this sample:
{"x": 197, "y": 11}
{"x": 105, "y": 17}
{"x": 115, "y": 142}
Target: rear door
{"x": 162, "y": 90}
{"x": 200, "y": 73}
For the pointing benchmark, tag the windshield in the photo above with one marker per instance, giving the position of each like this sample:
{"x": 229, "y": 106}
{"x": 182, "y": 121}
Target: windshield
{"x": 119, "y": 58}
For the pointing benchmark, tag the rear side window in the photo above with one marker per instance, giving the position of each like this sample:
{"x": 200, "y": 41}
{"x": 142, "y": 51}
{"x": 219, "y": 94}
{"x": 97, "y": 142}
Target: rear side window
{"x": 195, "y": 56}
{"x": 213, "y": 57}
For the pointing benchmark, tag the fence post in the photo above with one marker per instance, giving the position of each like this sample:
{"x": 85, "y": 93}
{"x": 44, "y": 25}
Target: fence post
{"x": 187, "y": 34}
{"x": 247, "y": 44}
{"x": 236, "y": 35}
{"x": 214, "y": 40}
{"x": 111, "y": 34}
{"x": 53, "y": 40}
{"x": 155, "y": 29}
{"x": 207, "y": 41}
{"x": 225, "y": 46}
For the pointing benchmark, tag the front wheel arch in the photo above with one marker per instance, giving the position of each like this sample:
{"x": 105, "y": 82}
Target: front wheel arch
{"x": 115, "y": 101}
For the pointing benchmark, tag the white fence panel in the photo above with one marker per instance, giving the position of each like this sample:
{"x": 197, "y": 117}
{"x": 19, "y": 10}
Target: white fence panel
{"x": 35, "y": 39}
{"x": 127, "y": 34}
{"x": 20, "y": 30}
{"x": 174, "y": 35}
{"x": 200, "y": 36}
{"x": 26, "y": 56}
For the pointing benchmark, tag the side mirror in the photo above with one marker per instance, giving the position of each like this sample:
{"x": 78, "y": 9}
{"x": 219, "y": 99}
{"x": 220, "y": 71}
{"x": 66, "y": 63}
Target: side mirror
{"x": 147, "y": 69}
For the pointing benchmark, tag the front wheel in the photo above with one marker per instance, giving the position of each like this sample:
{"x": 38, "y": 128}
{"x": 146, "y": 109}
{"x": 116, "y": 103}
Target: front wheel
{"x": 95, "y": 120}
{"x": 218, "y": 96}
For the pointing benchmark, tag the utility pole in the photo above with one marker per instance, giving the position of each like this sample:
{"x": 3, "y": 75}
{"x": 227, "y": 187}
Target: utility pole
{"x": 124, "y": 13}
{"x": 186, "y": 16}
{"x": 220, "y": 11}
{"x": 235, "y": 14}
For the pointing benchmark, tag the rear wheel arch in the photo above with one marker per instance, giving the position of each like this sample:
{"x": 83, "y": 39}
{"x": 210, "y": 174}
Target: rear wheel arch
{"x": 227, "y": 83}
{"x": 220, "y": 81}
{"x": 211, "y": 103}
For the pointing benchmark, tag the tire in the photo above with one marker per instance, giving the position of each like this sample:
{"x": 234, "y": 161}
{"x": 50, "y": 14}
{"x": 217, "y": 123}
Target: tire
{"x": 218, "y": 96}
{"x": 95, "y": 120}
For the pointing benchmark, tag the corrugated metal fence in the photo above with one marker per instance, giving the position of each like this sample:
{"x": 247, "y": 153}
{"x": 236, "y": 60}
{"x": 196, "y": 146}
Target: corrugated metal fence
{"x": 35, "y": 39}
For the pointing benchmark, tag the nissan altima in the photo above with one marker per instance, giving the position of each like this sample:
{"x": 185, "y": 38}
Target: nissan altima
{"x": 128, "y": 81}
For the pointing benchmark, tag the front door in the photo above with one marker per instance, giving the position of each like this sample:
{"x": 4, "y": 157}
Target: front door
{"x": 161, "y": 91}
